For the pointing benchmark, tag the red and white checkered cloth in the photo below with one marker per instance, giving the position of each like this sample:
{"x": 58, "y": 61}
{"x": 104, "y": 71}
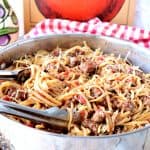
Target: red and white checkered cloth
{"x": 94, "y": 26}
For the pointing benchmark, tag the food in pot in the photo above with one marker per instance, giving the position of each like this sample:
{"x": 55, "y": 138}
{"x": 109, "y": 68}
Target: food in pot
{"x": 103, "y": 93}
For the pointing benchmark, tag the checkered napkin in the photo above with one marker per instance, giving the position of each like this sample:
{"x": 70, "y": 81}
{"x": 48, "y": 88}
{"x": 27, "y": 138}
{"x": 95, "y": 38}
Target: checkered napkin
{"x": 93, "y": 26}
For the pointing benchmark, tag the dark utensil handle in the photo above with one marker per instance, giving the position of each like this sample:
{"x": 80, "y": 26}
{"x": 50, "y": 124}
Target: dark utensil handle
{"x": 30, "y": 113}
{"x": 6, "y": 74}
{"x": 35, "y": 118}
{"x": 58, "y": 113}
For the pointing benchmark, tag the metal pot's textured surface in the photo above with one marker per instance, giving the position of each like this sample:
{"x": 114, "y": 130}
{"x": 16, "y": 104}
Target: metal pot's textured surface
{"x": 25, "y": 138}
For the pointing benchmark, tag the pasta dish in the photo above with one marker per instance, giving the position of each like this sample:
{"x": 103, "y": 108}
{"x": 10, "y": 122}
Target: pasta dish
{"x": 106, "y": 93}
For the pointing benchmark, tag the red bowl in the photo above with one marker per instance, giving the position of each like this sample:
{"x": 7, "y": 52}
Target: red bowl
{"x": 81, "y": 10}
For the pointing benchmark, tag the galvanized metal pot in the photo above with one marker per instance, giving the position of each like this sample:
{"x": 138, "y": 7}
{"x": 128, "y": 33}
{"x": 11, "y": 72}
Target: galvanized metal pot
{"x": 26, "y": 138}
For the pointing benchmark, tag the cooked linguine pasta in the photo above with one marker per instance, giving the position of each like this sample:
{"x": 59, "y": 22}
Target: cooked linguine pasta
{"x": 105, "y": 93}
